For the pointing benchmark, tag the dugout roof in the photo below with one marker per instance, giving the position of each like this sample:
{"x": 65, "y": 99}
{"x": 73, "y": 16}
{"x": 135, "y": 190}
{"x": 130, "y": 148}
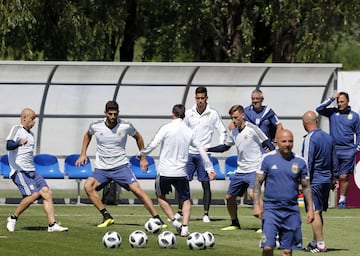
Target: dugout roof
{"x": 67, "y": 96}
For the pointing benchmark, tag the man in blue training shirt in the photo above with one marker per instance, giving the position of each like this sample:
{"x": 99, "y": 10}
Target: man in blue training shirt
{"x": 344, "y": 126}
{"x": 261, "y": 115}
{"x": 319, "y": 152}
{"x": 282, "y": 172}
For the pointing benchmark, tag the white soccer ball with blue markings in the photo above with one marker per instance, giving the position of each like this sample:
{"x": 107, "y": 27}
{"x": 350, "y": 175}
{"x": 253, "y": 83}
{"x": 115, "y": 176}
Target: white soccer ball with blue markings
{"x": 138, "y": 239}
{"x": 153, "y": 225}
{"x": 166, "y": 239}
{"x": 196, "y": 241}
{"x": 112, "y": 239}
{"x": 209, "y": 239}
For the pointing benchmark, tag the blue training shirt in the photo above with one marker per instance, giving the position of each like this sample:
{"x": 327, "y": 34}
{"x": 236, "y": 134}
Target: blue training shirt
{"x": 318, "y": 151}
{"x": 282, "y": 178}
{"x": 343, "y": 125}
{"x": 266, "y": 119}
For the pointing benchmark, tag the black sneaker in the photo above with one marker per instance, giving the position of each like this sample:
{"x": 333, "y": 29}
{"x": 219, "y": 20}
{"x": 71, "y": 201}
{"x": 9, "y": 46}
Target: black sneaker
{"x": 310, "y": 247}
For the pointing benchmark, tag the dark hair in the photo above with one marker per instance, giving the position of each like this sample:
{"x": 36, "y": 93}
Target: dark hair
{"x": 111, "y": 105}
{"x": 236, "y": 108}
{"x": 345, "y": 94}
{"x": 201, "y": 89}
{"x": 179, "y": 111}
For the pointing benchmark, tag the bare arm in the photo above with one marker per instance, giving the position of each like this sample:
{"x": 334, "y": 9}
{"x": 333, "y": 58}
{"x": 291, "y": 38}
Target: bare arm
{"x": 82, "y": 158}
{"x": 309, "y": 202}
{"x": 258, "y": 211}
{"x": 141, "y": 145}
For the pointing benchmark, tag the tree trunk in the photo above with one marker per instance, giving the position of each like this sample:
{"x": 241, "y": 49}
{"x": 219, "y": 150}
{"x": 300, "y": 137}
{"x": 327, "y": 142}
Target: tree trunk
{"x": 127, "y": 46}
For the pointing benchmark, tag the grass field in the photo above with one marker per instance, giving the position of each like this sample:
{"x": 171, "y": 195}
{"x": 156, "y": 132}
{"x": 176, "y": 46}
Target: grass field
{"x": 84, "y": 238}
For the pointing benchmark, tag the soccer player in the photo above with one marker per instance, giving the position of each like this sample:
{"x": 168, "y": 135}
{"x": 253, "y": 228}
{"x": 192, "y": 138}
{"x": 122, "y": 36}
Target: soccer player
{"x": 344, "y": 129}
{"x": 111, "y": 161}
{"x": 261, "y": 115}
{"x": 21, "y": 143}
{"x": 249, "y": 141}
{"x": 175, "y": 138}
{"x": 319, "y": 152}
{"x": 204, "y": 121}
{"x": 282, "y": 171}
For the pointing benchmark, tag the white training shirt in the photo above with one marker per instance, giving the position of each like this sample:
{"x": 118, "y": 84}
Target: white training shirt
{"x": 175, "y": 139}
{"x": 248, "y": 145}
{"x": 21, "y": 158}
{"x": 110, "y": 152}
{"x": 204, "y": 126}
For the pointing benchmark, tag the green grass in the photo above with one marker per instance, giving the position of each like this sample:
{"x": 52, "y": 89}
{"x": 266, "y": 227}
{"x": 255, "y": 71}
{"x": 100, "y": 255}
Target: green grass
{"x": 84, "y": 238}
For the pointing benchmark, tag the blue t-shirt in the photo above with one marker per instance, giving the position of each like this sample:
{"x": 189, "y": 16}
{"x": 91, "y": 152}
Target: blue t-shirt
{"x": 282, "y": 178}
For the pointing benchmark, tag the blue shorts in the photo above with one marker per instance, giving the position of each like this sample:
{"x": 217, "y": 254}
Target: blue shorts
{"x": 240, "y": 182}
{"x": 285, "y": 223}
{"x": 195, "y": 164}
{"x": 346, "y": 160}
{"x": 320, "y": 196}
{"x": 122, "y": 175}
{"x": 28, "y": 182}
{"x": 181, "y": 184}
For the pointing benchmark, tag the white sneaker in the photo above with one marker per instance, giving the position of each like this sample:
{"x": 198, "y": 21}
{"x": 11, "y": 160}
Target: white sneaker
{"x": 11, "y": 223}
{"x": 184, "y": 231}
{"x": 178, "y": 216}
{"x": 206, "y": 219}
{"x": 177, "y": 226}
{"x": 57, "y": 228}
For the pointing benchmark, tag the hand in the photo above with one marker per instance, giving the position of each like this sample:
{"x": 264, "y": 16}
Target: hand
{"x": 310, "y": 216}
{"x": 212, "y": 175}
{"x": 82, "y": 160}
{"x": 258, "y": 212}
{"x": 336, "y": 95}
{"x": 23, "y": 142}
{"x": 144, "y": 164}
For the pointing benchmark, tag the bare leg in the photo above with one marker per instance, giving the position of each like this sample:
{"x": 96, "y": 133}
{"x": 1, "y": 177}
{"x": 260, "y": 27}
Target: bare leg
{"x": 344, "y": 184}
{"x": 90, "y": 185}
{"x": 137, "y": 190}
{"x": 25, "y": 203}
{"x": 48, "y": 204}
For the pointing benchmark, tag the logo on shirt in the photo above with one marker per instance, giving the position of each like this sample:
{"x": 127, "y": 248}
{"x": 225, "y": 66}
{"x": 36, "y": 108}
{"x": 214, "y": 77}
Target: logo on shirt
{"x": 295, "y": 168}
{"x": 350, "y": 116}
{"x": 246, "y": 137}
{"x": 32, "y": 187}
{"x": 119, "y": 133}
{"x": 274, "y": 167}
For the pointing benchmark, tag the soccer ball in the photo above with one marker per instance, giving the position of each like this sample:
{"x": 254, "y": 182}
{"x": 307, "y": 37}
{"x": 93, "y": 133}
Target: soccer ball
{"x": 153, "y": 225}
{"x": 196, "y": 241}
{"x": 166, "y": 239}
{"x": 138, "y": 239}
{"x": 209, "y": 239}
{"x": 111, "y": 239}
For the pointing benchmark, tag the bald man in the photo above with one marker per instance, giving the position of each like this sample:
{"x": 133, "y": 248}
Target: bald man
{"x": 319, "y": 152}
{"x": 20, "y": 144}
{"x": 282, "y": 171}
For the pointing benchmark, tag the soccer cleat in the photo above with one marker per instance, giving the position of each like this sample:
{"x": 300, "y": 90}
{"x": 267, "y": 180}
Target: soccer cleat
{"x": 177, "y": 226}
{"x": 57, "y": 228}
{"x": 231, "y": 228}
{"x": 317, "y": 250}
{"x": 106, "y": 223}
{"x": 206, "y": 219}
{"x": 177, "y": 216}
{"x": 309, "y": 247}
{"x": 342, "y": 205}
{"x": 11, "y": 223}
{"x": 184, "y": 231}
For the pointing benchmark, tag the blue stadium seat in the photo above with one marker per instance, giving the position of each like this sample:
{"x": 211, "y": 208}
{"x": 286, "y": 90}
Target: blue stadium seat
{"x": 47, "y": 165}
{"x": 230, "y": 166}
{"x": 139, "y": 174}
{"x": 74, "y": 172}
{"x": 4, "y": 166}
{"x": 220, "y": 175}
{"x": 77, "y": 173}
